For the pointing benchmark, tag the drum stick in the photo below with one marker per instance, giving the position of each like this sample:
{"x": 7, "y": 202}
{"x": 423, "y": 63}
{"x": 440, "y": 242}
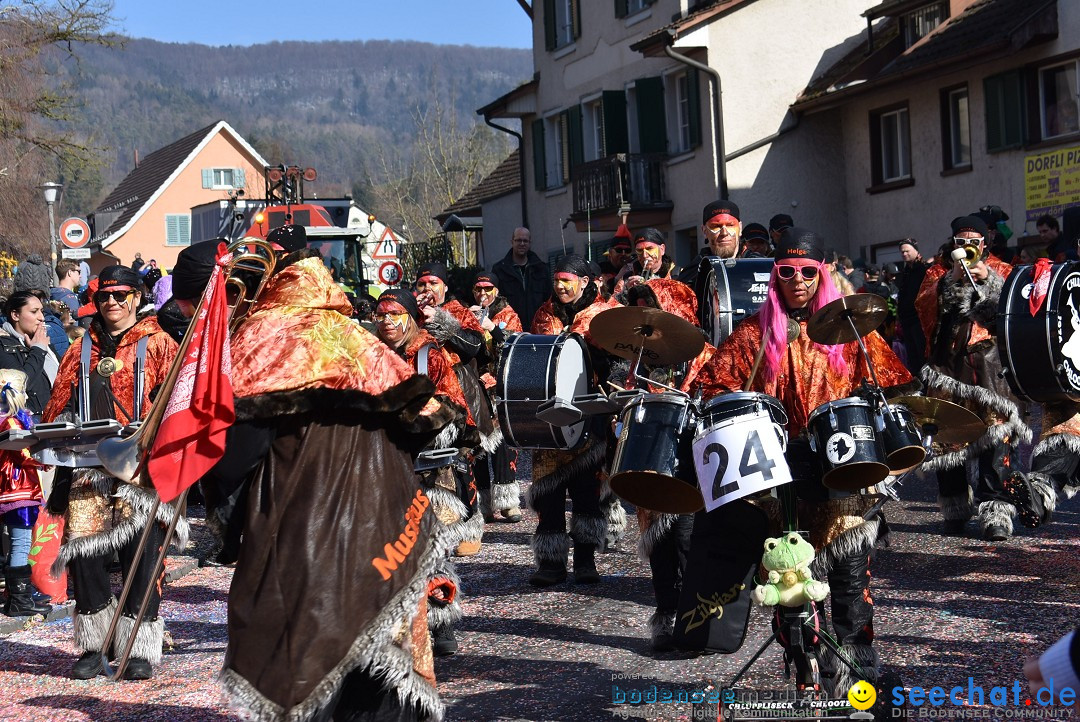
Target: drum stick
{"x": 615, "y": 386}
{"x": 766, "y": 337}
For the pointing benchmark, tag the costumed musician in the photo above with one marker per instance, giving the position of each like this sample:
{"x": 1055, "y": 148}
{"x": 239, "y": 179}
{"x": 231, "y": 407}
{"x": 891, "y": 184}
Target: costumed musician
{"x": 803, "y": 375}
{"x": 651, "y": 260}
{"x": 721, "y": 227}
{"x": 114, "y": 367}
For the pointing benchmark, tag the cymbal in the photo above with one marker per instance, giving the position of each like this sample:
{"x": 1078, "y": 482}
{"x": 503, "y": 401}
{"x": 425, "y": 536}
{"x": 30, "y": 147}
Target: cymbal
{"x": 955, "y": 424}
{"x": 667, "y": 338}
{"x": 830, "y": 325}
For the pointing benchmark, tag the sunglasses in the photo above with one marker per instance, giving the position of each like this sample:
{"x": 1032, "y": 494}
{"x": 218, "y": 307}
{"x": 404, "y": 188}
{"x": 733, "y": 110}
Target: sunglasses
{"x": 958, "y": 241}
{"x": 786, "y": 272}
{"x": 398, "y": 318}
{"x": 101, "y": 297}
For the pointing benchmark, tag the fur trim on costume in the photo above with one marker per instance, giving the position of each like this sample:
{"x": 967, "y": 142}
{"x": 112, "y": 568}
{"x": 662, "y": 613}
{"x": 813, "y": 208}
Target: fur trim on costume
{"x": 140, "y": 501}
{"x": 588, "y": 529}
{"x": 505, "y": 496}
{"x": 449, "y": 614}
{"x": 861, "y": 656}
{"x": 957, "y": 508}
{"x": 373, "y": 651}
{"x": 1041, "y": 485}
{"x": 978, "y": 305}
{"x": 588, "y": 461}
{"x": 1063, "y": 445}
{"x": 447, "y": 504}
{"x": 447, "y": 436}
{"x": 654, "y": 535}
{"x": 857, "y": 541}
{"x": 1013, "y": 429}
{"x": 661, "y": 623}
{"x": 90, "y": 629}
{"x": 985, "y": 310}
{"x": 442, "y": 326}
{"x": 148, "y": 639}
{"x": 550, "y": 546}
{"x": 491, "y": 442}
{"x": 615, "y": 514}
{"x": 996, "y": 513}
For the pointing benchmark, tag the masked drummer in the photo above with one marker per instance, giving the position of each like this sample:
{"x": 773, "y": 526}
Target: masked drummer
{"x": 803, "y": 375}
{"x": 105, "y": 517}
{"x": 574, "y": 304}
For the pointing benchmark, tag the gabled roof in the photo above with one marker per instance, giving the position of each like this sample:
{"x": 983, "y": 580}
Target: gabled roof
{"x": 985, "y": 29}
{"x": 142, "y": 186}
{"x": 505, "y": 179}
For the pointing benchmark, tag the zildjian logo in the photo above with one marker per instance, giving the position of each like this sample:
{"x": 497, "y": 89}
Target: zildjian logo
{"x": 708, "y": 607}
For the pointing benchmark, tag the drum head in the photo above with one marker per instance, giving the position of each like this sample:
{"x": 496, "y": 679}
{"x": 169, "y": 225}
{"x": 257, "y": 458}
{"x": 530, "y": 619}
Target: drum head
{"x": 855, "y": 476}
{"x": 906, "y": 458}
{"x": 658, "y": 492}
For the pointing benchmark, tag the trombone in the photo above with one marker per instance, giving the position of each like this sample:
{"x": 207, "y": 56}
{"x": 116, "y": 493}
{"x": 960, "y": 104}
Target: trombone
{"x": 968, "y": 256}
{"x": 125, "y": 458}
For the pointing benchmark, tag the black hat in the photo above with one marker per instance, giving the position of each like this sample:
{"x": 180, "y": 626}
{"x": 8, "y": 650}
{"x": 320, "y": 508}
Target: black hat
{"x": 800, "y": 243}
{"x": 193, "y": 267}
{"x": 403, "y": 298}
{"x": 434, "y": 268}
{"x": 717, "y": 207}
{"x": 992, "y": 215}
{"x": 485, "y": 277}
{"x": 780, "y": 221}
{"x": 290, "y": 238}
{"x": 650, "y": 235}
{"x": 113, "y": 278}
{"x": 969, "y": 224}
{"x": 755, "y": 232}
{"x": 572, "y": 264}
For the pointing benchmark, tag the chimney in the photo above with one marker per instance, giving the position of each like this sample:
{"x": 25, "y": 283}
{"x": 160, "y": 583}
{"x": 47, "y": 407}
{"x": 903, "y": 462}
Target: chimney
{"x": 136, "y": 157}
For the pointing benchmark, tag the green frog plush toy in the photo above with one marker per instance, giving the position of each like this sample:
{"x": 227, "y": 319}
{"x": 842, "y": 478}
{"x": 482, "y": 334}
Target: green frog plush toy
{"x": 790, "y": 582}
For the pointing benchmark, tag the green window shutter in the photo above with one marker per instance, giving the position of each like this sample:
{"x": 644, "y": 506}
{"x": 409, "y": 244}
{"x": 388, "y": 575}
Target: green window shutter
{"x": 564, "y": 145}
{"x": 184, "y": 229}
{"x": 549, "y": 24}
{"x": 207, "y": 177}
{"x": 539, "y": 161}
{"x": 576, "y": 138}
{"x": 238, "y": 177}
{"x": 652, "y": 122}
{"x": 693, "y": 95}
{"x": 616, "y": 136}
{"x": 621, "y": 8}
{"x": 1004, "y": 98}
{"x": 172, "y": 229}
{"x": 575, "y": 17}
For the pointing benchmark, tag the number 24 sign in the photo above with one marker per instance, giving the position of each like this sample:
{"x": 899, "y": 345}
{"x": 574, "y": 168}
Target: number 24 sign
{"x": 739, "y": 458}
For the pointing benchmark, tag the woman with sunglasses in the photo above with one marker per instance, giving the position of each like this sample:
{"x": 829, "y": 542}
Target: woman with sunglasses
{"x": 803, "y": 375}
{"x": 105, "y": 516}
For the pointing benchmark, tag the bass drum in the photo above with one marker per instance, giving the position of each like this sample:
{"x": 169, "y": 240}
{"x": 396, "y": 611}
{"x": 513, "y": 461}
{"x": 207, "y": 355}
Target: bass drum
{"x": 729, "y": 290}
{"x": 1041, "y": 353}
{"x": 534, "y": 369}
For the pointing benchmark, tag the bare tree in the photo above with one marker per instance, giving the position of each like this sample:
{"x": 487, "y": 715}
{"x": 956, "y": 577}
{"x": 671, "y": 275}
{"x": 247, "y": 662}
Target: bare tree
{"x": 34, "y": 146}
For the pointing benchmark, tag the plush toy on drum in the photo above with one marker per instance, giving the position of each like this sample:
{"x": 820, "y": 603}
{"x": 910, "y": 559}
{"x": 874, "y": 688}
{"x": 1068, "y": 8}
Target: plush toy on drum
{"x": 791, "y": 583}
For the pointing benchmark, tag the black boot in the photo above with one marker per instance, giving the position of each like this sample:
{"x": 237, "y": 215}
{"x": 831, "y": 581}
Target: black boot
{"x": 549, "y": 574}
{"x": 20, "y": 603}
{"x": 138, "y": 669}
{"x": 585, "y": 564}
{"x": 443, "y": 643}
{"x": 88, "y": 666}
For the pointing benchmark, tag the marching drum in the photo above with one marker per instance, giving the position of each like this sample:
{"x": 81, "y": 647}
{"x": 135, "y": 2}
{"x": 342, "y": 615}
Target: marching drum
{"x": 536, "y": 370}
{"x": 653, "y": 467}
{"x": 739, "y": 447}
{"x": 901, "y": 438}
{"x": 728, "y": 291}
{"x": 1041, "y": 353}
{"x": 843, "y": 433}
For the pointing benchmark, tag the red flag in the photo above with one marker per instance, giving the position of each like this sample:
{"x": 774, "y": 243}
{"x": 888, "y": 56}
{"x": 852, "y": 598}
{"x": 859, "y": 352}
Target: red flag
{"x": 1040, "y": 284}
{"x": 191, "y": 437}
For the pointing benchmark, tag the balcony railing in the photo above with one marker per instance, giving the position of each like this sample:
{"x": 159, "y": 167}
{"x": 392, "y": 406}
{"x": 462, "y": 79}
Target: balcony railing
{"x": 620, "y": 180}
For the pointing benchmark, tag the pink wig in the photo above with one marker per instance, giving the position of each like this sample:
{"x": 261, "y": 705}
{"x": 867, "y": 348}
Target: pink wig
{"x": 774, "y": 316}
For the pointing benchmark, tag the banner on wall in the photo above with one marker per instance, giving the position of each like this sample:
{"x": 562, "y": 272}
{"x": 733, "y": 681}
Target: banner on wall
{"x": 1052, "y": 181}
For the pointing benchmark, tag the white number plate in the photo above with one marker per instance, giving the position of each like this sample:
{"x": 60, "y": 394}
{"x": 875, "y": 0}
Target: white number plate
{"x": 739, "y": 458}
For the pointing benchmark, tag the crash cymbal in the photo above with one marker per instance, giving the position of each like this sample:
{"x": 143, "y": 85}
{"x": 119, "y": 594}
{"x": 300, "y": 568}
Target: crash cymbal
{"x": 830, "y": 324}
{"x": 667, "y": 338}
{"x": 955, "y": 424}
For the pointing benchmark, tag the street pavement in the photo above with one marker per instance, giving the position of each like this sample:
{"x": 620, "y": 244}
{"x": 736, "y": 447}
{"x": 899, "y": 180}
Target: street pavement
{"x": 946, "y": 609}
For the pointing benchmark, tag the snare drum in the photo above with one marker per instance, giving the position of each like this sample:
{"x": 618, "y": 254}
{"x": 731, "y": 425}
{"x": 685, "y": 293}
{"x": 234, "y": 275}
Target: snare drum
{"x": 844, "y": 435}
{"x": 739, "y": 447}
{"x": 900, "y": 435}
{"x": 533, "y": 370}
{"x": 653, "y": 466}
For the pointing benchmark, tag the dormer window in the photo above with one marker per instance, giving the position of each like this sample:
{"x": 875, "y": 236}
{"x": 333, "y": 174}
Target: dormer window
{"x": 919, "y": 23}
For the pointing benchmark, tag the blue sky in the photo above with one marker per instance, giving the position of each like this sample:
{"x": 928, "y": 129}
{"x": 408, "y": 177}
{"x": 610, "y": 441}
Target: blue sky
{"x": 492, "y": 23}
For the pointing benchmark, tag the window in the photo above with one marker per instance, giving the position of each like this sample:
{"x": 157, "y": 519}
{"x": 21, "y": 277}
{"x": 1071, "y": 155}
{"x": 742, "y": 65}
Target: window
{"x": 685, "y": 107}
{"x": 632, "y": 131}
{"x": 1058, "y": 103}
{"x": 593, "y": 122}
{"x": 552, "y": 149}
{"x": 955, "y": 128}
{"x": 1004, "y": 111}
{"x": 222, "y": 178}
{"x": 891, "y": 145}
{"x": 629, "y": 7}
{"x": 177, "y": 229}
{"x": 562, "y": 23}
{"x": 920, "y": 23}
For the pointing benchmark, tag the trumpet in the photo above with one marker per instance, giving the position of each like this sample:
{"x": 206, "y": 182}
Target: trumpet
{"x": 125, "y": 458}
{"x": 968, "y": 256}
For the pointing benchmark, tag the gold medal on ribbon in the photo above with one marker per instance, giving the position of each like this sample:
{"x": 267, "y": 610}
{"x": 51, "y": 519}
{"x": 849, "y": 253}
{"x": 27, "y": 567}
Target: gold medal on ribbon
{"x": 108, "y": 366}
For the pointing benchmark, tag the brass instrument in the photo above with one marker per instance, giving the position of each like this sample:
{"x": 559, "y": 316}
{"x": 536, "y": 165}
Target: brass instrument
{"x": 126, "y": 458}
{"x": 968, "y": 256}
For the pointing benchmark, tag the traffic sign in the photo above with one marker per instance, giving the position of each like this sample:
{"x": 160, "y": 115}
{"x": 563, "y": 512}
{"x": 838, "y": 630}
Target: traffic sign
{"x": 74, "y": 232}
{"x": 387, "y": 246}
{"x": 390, "y": 272}
{"x": 74, "y": 252}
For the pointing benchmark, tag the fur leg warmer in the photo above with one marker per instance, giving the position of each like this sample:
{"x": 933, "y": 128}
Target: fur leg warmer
{"x": 90, "y": 629}
{"x": 588, "y": 529}
{"x": 661, "y": 623}
{"x": 651, "y": 535}
{"x": 996, "y": 513}
{"x": 505, "y": 496}
{"x": 615, "y": 515}
{"x": 551, "y": 547}
{"x": 148, "y": 638}
{"x": 957, "y": 508}
{"x": 861, "y": 656}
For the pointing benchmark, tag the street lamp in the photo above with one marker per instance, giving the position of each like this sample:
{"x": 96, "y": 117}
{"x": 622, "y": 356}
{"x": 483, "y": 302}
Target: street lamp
{"x": 52, "y": 190}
